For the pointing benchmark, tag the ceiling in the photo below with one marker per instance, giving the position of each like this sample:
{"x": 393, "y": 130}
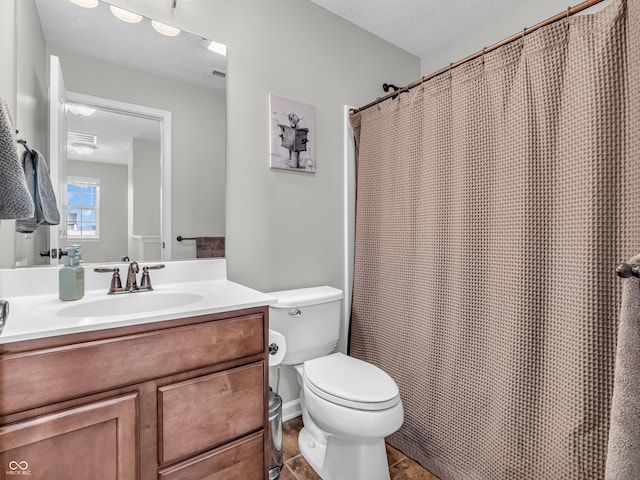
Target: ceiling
{"x": 96, "y": 32}
{"x": 420, "y": 27}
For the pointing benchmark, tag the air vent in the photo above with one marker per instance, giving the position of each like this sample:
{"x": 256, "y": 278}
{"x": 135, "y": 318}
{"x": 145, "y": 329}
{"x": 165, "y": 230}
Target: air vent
{"x": 73, "y": 137}
{"x": 214, "y": 73}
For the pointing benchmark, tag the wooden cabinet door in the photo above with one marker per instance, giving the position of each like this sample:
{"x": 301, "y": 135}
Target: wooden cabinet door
{"x": 96, "y": 441}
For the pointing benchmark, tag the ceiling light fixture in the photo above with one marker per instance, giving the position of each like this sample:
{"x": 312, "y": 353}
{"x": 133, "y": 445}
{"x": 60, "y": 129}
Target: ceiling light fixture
{"x": 167, "y": 30}
{"x": 83, "y": 148}
{"x": 125, "y": 15}
{"x": 81, "y": 110}
{"x": 86, "y": 3}
{"x": 216, "y": 47}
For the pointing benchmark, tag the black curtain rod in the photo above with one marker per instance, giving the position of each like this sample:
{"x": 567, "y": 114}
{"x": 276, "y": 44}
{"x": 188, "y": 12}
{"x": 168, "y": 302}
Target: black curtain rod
{"x": 570, "y": 11}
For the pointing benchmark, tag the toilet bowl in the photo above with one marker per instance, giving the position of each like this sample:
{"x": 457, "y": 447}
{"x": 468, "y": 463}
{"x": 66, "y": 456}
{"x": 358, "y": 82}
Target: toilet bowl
{"x": 348, "y": 406}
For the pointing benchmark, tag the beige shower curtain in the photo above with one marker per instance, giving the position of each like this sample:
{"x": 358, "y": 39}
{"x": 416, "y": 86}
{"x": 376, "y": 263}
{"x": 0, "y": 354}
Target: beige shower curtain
{"x": 493, "y": 203}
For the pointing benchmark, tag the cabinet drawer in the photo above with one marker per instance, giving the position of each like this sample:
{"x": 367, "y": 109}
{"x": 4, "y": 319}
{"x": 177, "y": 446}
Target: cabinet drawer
{"x": 241, "y": 460}
{"x": 71, "y": 371}
{"x": 198, "y": 414}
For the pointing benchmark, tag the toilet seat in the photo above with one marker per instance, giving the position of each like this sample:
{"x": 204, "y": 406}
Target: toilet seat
{"x": 350, "y": 382}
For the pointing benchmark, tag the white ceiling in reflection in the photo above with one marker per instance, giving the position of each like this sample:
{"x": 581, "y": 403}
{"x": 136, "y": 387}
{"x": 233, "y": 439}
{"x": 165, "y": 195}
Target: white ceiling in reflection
{"x": 115, "y": 132}
{"x": 96, "y": 32}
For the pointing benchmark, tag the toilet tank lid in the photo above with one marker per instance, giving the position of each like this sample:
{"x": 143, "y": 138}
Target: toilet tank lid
{"x": 303, "y": 297}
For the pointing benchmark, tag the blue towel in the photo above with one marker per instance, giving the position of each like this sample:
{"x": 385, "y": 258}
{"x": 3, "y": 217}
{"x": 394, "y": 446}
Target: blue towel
{"x": 39, "y": 183}
{"x": 15, "y": 200}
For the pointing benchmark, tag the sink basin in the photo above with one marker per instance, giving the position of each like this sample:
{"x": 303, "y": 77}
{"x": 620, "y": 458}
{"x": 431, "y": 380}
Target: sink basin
{"x": 130, "y": 303}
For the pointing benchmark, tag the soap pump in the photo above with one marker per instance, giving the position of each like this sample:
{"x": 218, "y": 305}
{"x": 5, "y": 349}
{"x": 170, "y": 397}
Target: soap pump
{"x": 71, "y": 276}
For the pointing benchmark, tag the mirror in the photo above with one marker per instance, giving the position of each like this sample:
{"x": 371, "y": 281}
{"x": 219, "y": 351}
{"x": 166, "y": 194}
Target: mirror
{"x": 107, "y": 63}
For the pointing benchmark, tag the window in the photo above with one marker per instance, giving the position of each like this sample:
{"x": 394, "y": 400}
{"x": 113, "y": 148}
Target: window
{"x": 83, "y": 207}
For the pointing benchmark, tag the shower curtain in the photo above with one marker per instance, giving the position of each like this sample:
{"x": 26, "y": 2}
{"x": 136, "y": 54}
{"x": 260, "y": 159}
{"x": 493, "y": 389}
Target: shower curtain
{"x": 493, "y": 203}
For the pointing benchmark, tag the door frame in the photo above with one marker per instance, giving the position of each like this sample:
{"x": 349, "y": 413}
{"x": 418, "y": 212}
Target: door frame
{"x": 164, "y": 117}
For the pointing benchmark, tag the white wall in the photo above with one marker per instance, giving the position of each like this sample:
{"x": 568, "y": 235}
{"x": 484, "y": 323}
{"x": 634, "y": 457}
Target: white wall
{"x": 146, "y": 187}
{"x": 112, "y": 244}
{"x": 8, "y": 52}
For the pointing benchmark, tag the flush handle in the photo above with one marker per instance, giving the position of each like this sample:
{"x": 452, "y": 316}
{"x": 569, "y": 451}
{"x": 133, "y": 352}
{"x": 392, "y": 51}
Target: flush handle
{"x": 295, "y": 313}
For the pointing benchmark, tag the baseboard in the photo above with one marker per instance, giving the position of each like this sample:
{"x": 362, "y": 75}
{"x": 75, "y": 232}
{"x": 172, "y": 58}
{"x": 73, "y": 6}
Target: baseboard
{"x": 291, "y": 410}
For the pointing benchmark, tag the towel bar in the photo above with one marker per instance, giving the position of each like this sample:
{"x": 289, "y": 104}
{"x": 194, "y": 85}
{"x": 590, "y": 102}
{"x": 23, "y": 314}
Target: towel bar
{"x": 625, "y": 270}
{"x": 181, "y": 238}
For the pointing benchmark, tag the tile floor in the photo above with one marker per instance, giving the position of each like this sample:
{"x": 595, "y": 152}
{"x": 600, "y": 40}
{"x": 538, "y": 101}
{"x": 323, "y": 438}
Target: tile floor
{"x": 296, "y": 467}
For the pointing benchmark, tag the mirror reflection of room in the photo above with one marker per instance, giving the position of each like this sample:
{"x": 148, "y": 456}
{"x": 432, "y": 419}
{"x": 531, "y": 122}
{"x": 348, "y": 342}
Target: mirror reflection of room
{"x": 113, "y": 184}
{"x": 123, "y": 195}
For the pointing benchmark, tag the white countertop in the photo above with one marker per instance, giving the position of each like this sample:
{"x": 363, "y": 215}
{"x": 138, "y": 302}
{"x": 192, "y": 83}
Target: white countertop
{"x": 44, "y": 315}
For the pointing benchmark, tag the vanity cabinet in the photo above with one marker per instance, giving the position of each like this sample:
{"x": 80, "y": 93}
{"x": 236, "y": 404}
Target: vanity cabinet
{"x": 178, "y": 399}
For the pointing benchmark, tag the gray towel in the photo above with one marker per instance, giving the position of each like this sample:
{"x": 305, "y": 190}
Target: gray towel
{"x": 209, "y": 247}
{"x": 15, "y": 201}
{"x": 623, "y": 456}
{"x": 39, "y": 183}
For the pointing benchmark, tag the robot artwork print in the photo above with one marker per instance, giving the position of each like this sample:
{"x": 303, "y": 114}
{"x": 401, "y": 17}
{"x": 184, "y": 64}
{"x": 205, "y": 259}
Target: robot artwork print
{"x": 292, "y": 135}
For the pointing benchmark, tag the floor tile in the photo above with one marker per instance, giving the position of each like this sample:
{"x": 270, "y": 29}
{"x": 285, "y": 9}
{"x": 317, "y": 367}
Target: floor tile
{"x": 290, "y": 431}
{"x": 407, "y": 469}
{"x": 302, "y": 469}
{"x": 393, "y": 455}
{"x": 286, "y": 474}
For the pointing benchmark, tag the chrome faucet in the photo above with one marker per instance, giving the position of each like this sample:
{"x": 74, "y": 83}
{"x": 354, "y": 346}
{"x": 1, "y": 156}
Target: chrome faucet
{"x": 131, "y": 286}
{"x": 132, "y": 283}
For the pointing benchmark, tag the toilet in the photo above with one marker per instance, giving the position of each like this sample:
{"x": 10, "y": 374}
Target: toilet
{"x": 348, "y": 406}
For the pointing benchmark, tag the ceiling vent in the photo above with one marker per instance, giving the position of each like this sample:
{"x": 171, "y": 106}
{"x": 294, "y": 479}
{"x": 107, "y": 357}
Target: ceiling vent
{"x": 215, "y": 73}
{"x": 73, "y": 137}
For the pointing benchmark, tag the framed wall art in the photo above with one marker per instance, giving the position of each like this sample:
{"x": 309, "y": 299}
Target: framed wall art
{"x": 292, "y": 133}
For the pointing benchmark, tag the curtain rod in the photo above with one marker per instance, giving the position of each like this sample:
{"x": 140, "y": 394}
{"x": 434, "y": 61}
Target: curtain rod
{"x": 567, "y": 13}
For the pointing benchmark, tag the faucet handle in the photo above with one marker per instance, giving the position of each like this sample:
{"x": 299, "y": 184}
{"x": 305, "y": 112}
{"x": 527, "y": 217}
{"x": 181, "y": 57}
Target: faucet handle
{"x": 155, "y": 267}
{"x": 106, "y": 269}
{"x": 145, "y": 282}
{"x": 116, "y": 282}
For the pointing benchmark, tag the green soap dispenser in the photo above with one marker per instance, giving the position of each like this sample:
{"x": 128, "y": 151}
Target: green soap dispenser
{"x": 71, "y": 276}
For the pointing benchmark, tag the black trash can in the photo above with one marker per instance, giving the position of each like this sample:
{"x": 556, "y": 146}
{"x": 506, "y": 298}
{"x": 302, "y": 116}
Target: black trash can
{"x": 275, "y": 430}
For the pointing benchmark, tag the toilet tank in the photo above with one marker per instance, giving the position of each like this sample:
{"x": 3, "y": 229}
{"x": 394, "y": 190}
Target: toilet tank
{"x": 309, "y": 319}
